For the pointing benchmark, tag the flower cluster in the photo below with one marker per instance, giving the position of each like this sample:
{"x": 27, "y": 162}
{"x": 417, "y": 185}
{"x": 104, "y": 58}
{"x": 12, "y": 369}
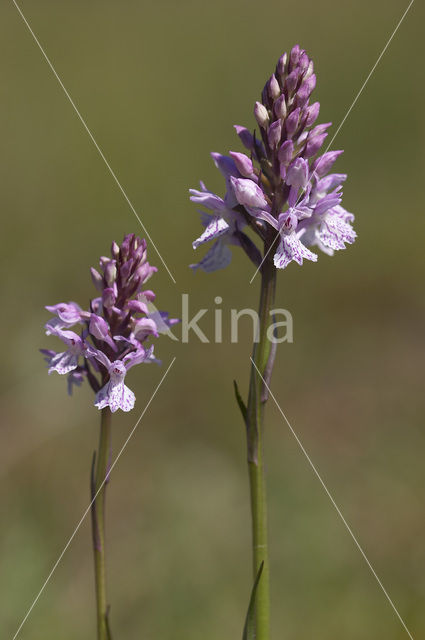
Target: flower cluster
{"x": 282, "y": 188}
{"x": 115, "y": 332}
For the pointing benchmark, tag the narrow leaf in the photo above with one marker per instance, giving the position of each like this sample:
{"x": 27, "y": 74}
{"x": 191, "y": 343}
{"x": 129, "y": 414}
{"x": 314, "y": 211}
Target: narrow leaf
{"x": 249, "y": 628}
{"x": 239, "y": 400}
{"x": 108, "y": 628}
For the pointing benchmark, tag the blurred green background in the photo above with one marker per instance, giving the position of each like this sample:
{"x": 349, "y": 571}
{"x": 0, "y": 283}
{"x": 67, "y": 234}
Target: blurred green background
{"x": 160, "y": 85}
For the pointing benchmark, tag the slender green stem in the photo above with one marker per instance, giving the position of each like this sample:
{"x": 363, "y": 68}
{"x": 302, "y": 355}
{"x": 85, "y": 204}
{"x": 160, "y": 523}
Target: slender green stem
{"x": 99, "y": 474}
{"x": 262, "y": 352}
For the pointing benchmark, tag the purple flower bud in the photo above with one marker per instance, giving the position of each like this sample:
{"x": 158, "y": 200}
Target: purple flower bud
{"x": 261, "y": 115}
{"x": 125, "y": 247}
{"x": 319, "y": 129}
{"x": 312, "y": 114}
{"x": 125, "y": 271}
{"x": 297, "y": 175}
{"x": 110, "y": 272}
{"x": 281, "y": 64}
{"x": 310, "y": 70}
{"x": 138, "y": 306}
{"x": 280, "y": 108}
{"x": 243, "y": 163}
{"x": 305, "y": 91}
{"x": 285, "y": 152}
{"x": 143, "y": 274}
{"x": 149, "y": 295}
{"x": 99, "y": 328}
{"x": 295, "y": 55}
{"x": 115, "y": 250}
{"x": 145, "y": 327}
{"x": 245, "y": 136}
{"x": 108, "y": 297}
{"x": 310, "y": 83}
{"x": 291, "y": 82}
{"x": 313, "y": 145}
{"x": 248, "y": 193}
{"x": 304, "y": 62}
{"x": 274, "y": 134}
{"x": 97, "y": 279}
{"x": 291, "y": 122}
{"x": 273, "y": 87}
{"x": 323, "y": 163}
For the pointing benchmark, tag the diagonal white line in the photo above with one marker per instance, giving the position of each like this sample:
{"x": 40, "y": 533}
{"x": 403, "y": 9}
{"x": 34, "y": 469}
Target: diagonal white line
{"x": 345, "y": 118}
{"x": 347, "y": 526}
{"x": 83, "y": 122}
{"x": 91, "y": 503}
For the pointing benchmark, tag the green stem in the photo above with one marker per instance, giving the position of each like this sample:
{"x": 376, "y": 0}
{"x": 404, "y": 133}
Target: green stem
{"x": 98, "y": 488}
{"x": 255, "y": 433}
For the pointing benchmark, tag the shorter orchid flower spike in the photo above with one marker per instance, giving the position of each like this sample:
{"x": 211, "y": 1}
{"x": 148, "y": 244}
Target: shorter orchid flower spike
{"x": 114, "y": 332}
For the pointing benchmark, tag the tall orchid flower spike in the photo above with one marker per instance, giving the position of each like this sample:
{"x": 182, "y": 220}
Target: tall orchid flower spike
{"x": 281, "y": 192}
{"x": 114, "y": 334}
{"x": 283, "y": 174}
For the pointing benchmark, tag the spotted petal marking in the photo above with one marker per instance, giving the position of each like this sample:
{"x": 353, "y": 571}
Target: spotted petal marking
{"x": 215, "y": 228}
{"x": 334, "y": 232}
{"x": 291, "y": 248}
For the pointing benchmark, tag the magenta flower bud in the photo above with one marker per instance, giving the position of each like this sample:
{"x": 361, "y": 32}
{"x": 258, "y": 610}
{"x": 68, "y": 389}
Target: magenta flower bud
{"x": 295, "y": 55}
{"x": 291, "y": 81}
{"x": 312, "y": 114}
{"x": 261, "y": 115}
{"x": 304, "y": 92}
{"x": 138, "y": 306}
{"x": 145, "y": 327}
{"x": 304, "y": 62}
{"x": 99, "y": 328}
{"x": 149, "y": 295}
{"x": 115, "y": 250}
{"x": 297, "y": 175}
{"x": 323, "y": 164}
{"x": 97, "y": 279}
{"x": 320, "y": 128}
{"x": 310, "y": 70}
{"x": 285, "y": 152}
{"x": 274, "y": 134}
{"x": 281, "y": 64}
{"x": 243, "y": 163}
{"x": 280, "y": 108}
{"x": 310, "y": 83}
{"x": 108, "y": 297}
{"x": 291, "y": 122}
{"x": 248, "y": 193}
{"x": 313, "y": 145}
{"x": 273, "y": 87}
{"x": 143, "y": 274}
{"x": 110, "y": 272}
{"x": 125, "y": 271}
{"x": 245, "y": 137}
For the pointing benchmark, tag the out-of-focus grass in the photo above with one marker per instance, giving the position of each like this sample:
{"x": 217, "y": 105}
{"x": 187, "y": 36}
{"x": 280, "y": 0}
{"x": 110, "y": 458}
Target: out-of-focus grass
{"x": 161, "y": 85}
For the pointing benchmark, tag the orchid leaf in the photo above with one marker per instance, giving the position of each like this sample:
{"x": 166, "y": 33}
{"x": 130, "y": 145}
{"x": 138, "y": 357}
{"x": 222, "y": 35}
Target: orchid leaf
{"x": 249, "y": 628}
